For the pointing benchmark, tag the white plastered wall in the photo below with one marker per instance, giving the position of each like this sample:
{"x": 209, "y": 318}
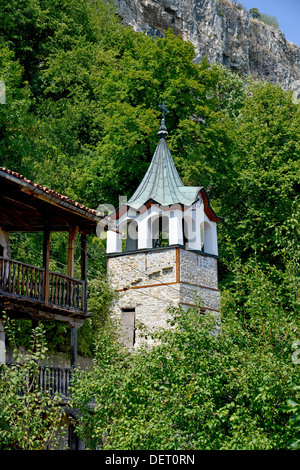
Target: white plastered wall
{"x": 4, "y": 242}
{"x": 197, "y": 229}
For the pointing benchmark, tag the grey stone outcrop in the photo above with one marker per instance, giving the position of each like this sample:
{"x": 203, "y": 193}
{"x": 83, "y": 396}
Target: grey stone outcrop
{"x": 223, "y": 32}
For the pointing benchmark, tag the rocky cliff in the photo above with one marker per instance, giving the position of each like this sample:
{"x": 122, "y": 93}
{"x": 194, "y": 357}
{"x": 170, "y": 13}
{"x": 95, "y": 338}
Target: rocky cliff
{"x": 222, "y": 31}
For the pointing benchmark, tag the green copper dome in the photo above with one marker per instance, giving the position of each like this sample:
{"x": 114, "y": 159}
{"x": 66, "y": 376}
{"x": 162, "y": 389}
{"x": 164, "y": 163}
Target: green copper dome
{"x": 161, "y": 183}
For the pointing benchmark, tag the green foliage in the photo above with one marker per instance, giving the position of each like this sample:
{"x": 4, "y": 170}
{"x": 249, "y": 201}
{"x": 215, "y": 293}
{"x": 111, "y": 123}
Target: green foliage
{"x": 200, "y": 387}
{"x": 100, "y": 298}
{"x": 17, "y": 125}
{"x": 267, "y": 19}
{"x": 265, "y": 176}
{"x": 255, "y": 13}
{"x": 81, "y": 117}
{"x": 30, "y": 419}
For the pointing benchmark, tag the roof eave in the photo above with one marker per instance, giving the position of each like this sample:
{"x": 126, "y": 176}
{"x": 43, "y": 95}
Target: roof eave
{"x": 51, "y": 197}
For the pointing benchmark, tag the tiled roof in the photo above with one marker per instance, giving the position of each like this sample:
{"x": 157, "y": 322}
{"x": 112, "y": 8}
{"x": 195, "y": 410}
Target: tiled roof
{"x": 50, "y": 192}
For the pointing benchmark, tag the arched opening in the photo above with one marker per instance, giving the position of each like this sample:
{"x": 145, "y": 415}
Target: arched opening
{"x": 206, "y": 237}
{"x": 130, "y": 236}
{"x": 159, "y": 229}
{"x": 189, "y": 231}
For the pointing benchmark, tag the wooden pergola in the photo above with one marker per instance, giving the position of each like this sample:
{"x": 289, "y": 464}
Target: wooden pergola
{"x": 36, "y": 292}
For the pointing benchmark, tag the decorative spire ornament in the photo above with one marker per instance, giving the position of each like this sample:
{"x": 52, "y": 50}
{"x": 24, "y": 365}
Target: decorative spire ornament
{"x": 164, "y": 109}
{"x": 163, "y": 130}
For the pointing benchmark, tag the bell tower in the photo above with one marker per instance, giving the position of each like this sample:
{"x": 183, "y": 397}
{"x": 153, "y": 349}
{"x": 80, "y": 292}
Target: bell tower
{"x": 162, "y": 249}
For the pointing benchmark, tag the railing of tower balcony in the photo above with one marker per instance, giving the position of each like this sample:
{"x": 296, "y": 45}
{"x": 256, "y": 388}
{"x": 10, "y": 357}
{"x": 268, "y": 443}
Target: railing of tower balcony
{"x": 28, "y": 281}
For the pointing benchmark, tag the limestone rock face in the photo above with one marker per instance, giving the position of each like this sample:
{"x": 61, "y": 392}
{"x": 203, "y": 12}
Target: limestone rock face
{"x": 223, "y": 32}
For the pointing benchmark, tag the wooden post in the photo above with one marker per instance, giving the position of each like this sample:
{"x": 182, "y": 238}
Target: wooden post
{"x": 72, "y": 237}
{"x": 46, "y": 256}
{"x": 84, "y": 271}
{"x": 73, "y": 346}
{"x": 71, "y": 246}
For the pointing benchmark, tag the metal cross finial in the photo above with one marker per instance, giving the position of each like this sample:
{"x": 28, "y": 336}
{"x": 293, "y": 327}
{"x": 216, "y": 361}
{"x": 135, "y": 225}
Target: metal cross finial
{"x": 164, "y": 109}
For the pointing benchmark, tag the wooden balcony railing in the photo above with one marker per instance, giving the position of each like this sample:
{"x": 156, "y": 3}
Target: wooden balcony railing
{"x": 54, "y": 380}
{"x": 28, "y": 281}
{"x": 66, "y": 291}
{"x": 21, "y": 279}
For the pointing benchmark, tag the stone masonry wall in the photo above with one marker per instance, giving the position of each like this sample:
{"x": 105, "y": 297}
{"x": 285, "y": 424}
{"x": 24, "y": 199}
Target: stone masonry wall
{"x": 151, "y": 281}
{"x": 145, "y": 281}
{"x": 199, "y": 280}
{"x": 142, "y": 268}
{"x": 198, "y": 269}
{"x": 150, "y": 305}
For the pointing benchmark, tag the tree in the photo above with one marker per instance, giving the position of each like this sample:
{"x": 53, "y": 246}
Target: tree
{"x": 267, "y": 19}
{"x": 17, "y": 125}
{"x": 30, "y": 419}
{"x": 202, "y": 386}
{"x": 255, "y": 13}
{"x": 148, "y": 72}
{"x": 265, "y": 173}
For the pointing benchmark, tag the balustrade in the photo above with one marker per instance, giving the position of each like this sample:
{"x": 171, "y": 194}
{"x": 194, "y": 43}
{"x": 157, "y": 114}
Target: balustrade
{"x": 54, "y": 380}
{"x": 28, "y": 281}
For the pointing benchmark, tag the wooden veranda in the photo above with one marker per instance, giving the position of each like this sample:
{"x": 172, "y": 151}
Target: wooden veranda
{"x": 36, "y": 292}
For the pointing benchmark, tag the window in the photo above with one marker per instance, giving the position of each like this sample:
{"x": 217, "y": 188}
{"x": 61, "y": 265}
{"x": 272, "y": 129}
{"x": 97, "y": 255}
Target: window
{"x": 73, "y": 438}
{"x": 128, "y": 323}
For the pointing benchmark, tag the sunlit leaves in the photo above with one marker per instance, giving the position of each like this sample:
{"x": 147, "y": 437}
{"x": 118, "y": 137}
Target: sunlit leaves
{"x": 195, "y": 389}
{"x": 30, "y": 419}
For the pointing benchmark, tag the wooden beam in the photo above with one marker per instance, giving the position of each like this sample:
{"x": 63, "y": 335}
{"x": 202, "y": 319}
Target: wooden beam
{"x": 144, "y": 286}
{"x": 46, "y": 257}
{"x": 84, "y": 271}
{"x": 83, "y": 257}
{"x": 202, "y": 309}
{"x": 73, "y": 346}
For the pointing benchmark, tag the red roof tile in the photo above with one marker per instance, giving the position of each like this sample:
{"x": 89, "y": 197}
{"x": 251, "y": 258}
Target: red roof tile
{"x": 51, "y": 192}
